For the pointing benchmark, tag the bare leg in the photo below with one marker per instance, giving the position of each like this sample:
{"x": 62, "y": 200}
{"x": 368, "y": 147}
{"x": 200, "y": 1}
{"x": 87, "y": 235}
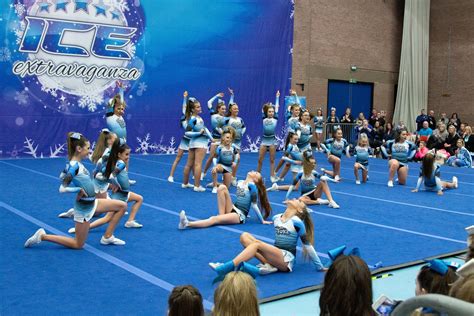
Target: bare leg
{"x": 234, "y": 169}
{"x": 199, "y": 156}
{"x": 211, "y": 155}
{"x": 356, "y": 171}
{"x": 393, "y": 167}
{"x": 447, "y": 185}
{"x": 365, "y": 173}
{"x": 285, "y": 171}
{"x": 402, "y": 175}
{"x": 138, "y": 200}
{"x": 189, "y": 166}
{"x": 336, "y": 165}
{"x": 272, "y": 160}
{"x": 227, "y": 179}
{"x": 216, "y": 170}
{"x": 82, "y": 231}
{"x": 224, "y": 201}
{"x": 224, "y": 219}
{"x": 280, "y": 164}
{"x": 176, "y": 161}
{"x": 261, "y": 156}
{"x": 246, "y": 239}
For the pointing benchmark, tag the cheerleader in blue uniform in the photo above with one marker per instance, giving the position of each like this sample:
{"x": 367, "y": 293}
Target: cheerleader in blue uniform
{"x": 99, "y": 158}
{"x": 184, "y": 144}
{"x": 235, "y": 212}
{"x": 304, "y": 131}
{"x": 318, "y": 127}
{"x": 237, "y": 123}
{"x": 217, "y": 123}
{"x": 400, "y": 150}
{"x": 334, "y": 148}
{"x": 462, "y": 158}
{"x": 292, "y": 156}
{"x": 200, "y": 136}
{"x": 362, "y": 152}
{"x": 430, "y": 175}
{"x": 225, "y": 158}
{"x": 86, "y": 205}
{"x": 292, "y": 116}
{"x": 295, "y": 223}
{"x": 269, "y": 141}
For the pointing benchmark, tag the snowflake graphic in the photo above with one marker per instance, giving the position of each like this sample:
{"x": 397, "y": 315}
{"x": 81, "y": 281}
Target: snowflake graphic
{"x": 20, "y": 9}
{"x": 169, "y": 149}
{"x": 15, "y": 152}
{"x": 58, "y": 149}
{"x": 52, "y": 91}
{"x": 252, "y": 146}
{"x": 5, "y": 54}
{"x": 142, "y": 86}
{"x": 90, "y": 101}
{"x": 30, "y": 145}
{"x": 144, "y": 145}
{"x": 22, "y": 98}
{"x": 281, "y": 139}
{"x": 19, "y": 32}
{"x": 131, "y": 49}
{"x": 121, "y": 5}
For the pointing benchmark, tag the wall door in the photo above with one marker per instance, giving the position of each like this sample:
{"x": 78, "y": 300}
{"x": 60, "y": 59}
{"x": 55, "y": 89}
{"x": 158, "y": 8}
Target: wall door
{"x": 358, "y": 96}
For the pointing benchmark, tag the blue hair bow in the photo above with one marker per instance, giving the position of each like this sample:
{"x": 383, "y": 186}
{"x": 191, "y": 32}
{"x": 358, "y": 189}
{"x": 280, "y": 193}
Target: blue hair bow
{"x": 246, "y": 267}
{"x": 336, "y": 252}
{"x": 438, "y": 266}
{"x": 76, "y": 136}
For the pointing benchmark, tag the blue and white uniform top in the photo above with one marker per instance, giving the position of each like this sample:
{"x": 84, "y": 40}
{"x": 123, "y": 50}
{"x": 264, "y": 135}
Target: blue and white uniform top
{"x": 294, "y": 154}
{"x": 246, "y": 197}
{"x": 115, "y": 123}
{"x": 400, "y": 151}
{"x": 335, "y": 147}
{"x": 238, "y": 124}
{"x": 362, "y": 155}
{"x": 194, "y": 127}
{"x": 308, "y": 183}
{"x": 79, "y": 176}
{"x": 269, "y": 126}
{"x": 318, "y": 123}
{"x": 100, "y": 184}
{"x": 433, "y": 182}
{"x": 225, "y": 156}
{"x": 291, "y": 121}
{"x": 217, "y": 120}
{"x": 119, "y": 177}
{"x": 305, "y": 132}
{"x": 287, "y": 234}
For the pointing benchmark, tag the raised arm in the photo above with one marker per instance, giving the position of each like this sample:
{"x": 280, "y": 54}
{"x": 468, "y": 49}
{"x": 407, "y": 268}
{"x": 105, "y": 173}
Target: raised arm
{"x": 277, "y": 103}
{"x": 231, "y": 91}
{"x": 185, "y": 101}
{"x": 211, "y": 101}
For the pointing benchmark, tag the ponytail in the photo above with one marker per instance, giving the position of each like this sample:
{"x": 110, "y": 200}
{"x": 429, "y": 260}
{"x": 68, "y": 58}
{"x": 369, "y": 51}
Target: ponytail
{"x": 308, "y": 225}
{"x": 288, "y": 138}
{"x": 190, "y": 107}
{"x": 100, "y": 145}
{"x": 263, "y": 198}
{"x": 74, "y": 139}
{"x": 117, "y": 148}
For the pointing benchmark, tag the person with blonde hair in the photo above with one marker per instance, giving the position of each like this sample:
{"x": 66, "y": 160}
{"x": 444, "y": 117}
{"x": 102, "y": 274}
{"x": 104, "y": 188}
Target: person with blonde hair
{"x": 236, "y": 295}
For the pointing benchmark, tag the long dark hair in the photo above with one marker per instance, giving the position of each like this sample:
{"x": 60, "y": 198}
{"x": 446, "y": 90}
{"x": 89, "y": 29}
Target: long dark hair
{"x": 229, "y": 109}
{"x": 100, "y": 145}
{"x": 398, "y": 136}
{"x": 117, "y": 148}
{"x": 266, "y": 107}
{"x": 428, "y": 165}
{"x": 74, "y": 139}
{"x": 185, "y": 301}
{"x": 309, "y": 228}
{"x": 263, "y": 198}
{"x": 347, "y": 288}
{"x": 433, "y": 282}
{"x": 190, "y": 107}
{"x": 288, "y": 138}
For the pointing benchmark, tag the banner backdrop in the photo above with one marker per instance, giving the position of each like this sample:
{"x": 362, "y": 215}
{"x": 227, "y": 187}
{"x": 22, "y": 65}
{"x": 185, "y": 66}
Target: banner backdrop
{"x": 60, "y": 61}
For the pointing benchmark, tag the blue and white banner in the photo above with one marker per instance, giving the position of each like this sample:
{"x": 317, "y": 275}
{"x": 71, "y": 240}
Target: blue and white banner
{"x": 60, "y": 61}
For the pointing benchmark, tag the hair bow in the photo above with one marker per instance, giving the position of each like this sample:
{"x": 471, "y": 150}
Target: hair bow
{"x": 76, "y": 136}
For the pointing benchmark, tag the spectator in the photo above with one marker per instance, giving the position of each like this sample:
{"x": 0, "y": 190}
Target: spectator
{"x": 420, "y": 119}
{"x": 462, "y": 128}
{"x": 435, "y": 278}
{"x": 432, "y": 120}
{"x": 377, "y": 137}
{"x": 400, "y": 127}
{"x": 364, "y": 128}
{"x": 380, "y": 119}
{"x": 389, "y": 132}
{"x": 360, "y": 119}
{"x": 425, "y": 132}
{"x": 463, "y": 288}
{"x": 185, "y": 300}
{"x": 437, "y": 139}
{"x": 332, "y": 118}
{"x": 443, "y": 119}
{"x": 451, "y": 139}
{"x": 373, "y": 117}
{"x": 468, "y": 139}
{"x": 462, "y": 156}
{"x": 236, "y": 295}
{"x": 421, "y": 151}
{"x": 347, "y": 117}
{"x": 347, "y": 288}
{"x": 454, "y": 120}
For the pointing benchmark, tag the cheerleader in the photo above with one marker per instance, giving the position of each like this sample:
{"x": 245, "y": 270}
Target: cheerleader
{"x": 304, "y": 131}
{"x": 237, "y": 123}
{"x": 235, "y": 212}
{"x": 217, "y": 123}
{"x": 462, "y": 158}
{"x": 400, "y": 150}
{"x": 200, "y": 136}
{"x": 318, "y": 126}
{"x": 269, "y": 141}
{"x": 362, "y": 152}
{"x": 184, "y": 144}
{"x": 334, "y": 148}
{"x": 293, "y": 156}
{"x": 295, "y": 223}
{"x": 430, "y": 175}
{"x": 225, "y": 158}
{"x": 86, "y": 205}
